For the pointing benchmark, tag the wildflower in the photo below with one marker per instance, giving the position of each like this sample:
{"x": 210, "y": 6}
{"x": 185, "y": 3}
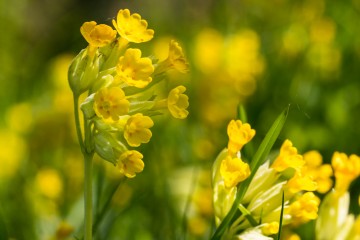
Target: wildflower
{"x": 137, "y": 130}
{"x": 346, "y": 169}
{"x": 132, "y": 27}
{"x": 239, "y": 134}
{"x": 270, "y": 228}
{"x": 97, "y": 35}
{"x": 111, "y": 102}
{"x": 305, "y": 208}
{"x": 175, "y": 59}
{"x": 178, "y": 102}
{"x": 288, "y": 157}
{"x": 300, "y": 182}
{"x": 134, "y": 70}
{"x": 130, "y": 163}
{"x": 234, "y": 170}
{"x": 320, "y": 173}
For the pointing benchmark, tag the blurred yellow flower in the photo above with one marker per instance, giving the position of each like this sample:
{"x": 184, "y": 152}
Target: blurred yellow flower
{"x": 49, "y": 183}
{"x": 239, "y": 134}
{"x": 178, "y": 102}
{"x": 111, "y": 102}
{"x": 130, "y": 163}
{"x": 320, "y": 173}
{"x": 64, "y": 231}
{"x": 288, "y": 158}
{"x": 208, "y": 50}
{"x": 132, "y": 27}
{"x": 97, "y": 35}
{"x": 233, "y": 171}
{"x": 19, "y": 117}
{"x": 305, "y": 208}
{"x": 13, "y": 150}
{"x": 270, "y": 228}
{"x": 133, "y": 69}
{"x": 136, "y": 130}
{"x": 346, "y": 169}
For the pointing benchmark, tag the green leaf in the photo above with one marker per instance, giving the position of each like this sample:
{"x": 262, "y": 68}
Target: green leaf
{"x": 257, "y": 160}
{"x": 281, "y": 215}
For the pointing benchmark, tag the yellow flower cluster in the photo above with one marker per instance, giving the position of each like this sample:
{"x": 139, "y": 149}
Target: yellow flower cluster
{"x": 292, "y": 174}
{"x": 122, "y": 88}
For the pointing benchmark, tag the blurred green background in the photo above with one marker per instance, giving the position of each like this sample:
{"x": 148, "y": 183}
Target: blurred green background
{"x": 263, "y": 54}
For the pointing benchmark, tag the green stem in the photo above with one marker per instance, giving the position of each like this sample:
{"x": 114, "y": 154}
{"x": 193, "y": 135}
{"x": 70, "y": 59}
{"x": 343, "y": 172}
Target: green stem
{"x": 88, "y": 197}
{"x": 77, "y": 123}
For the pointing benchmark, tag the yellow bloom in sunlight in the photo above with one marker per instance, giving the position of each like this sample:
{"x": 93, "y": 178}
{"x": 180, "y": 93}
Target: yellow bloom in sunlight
{"x": 346, "y": 169}
{"x": 97, "y": 35}
{"x": 239, "y": 134}
{"x": 301, "y": 182}
{"x": 130, "y": 163}
{"x": 133, "y": 69}
{"x": 111, "y": 102}
{"x": 288, "y": 157}
{"x": 320, "y": 173}
{"x": 270, "y": 228}
{"x": 132, "y": 27}
{"x": 176, "y": 58}
{"x": 49, "y": 183}
{"x": 233, "y": 171}
{"x": 137, "y": 131}
{"x": 178, "y": 102}
{"x": 305, "y": 208}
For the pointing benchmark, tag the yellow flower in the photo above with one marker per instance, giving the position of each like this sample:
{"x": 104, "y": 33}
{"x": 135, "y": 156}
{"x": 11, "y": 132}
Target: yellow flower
{"x": 239, "y": 134}
{"x": 97, "y": 35}
{"x": 270, "y": 228}
{"x": 233, "y": 171}
{"x": 111, "y": 102}
{"x": 176, "y": 58}
{"x": 137, "y": 131}
{"x": 130, "y": 163}
{"x": 321, "y": 173}
{"x": 346, "y": 170}
{"x": 132, "y": 27}
{"x": 178, "y": 102}
{"x": 288, "y": 157}
{"x": 133, "y": 69}
{"x": 49, "y": 183}
{"x": 301, "y": 182}
{"x": 305, "y": 208}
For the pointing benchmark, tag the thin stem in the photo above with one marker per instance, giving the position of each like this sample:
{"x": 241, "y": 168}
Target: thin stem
{"x": 77, "y": 123}
{"x": 88, "y": 196}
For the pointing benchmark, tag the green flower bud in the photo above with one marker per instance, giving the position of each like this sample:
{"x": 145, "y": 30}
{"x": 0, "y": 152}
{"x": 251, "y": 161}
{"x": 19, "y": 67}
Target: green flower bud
{"x": 82, "y": 72}
{"x": 87, "y": 107}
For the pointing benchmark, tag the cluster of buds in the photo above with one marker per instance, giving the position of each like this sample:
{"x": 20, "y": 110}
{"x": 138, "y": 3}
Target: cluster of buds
{"x": 122, "y": 89}
{"x": 285, "y": 185}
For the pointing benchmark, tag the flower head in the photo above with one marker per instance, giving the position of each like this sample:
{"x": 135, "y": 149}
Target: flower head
{"x": 301, "y": 182}
{"x": 131, "y": 27}
{"x": 270, "y": 228}
{"x": 111, "y": 102}
{"x": 176, "y": 58}
{"x": 130, "y": 163}
{"x": 346, "y": 169}
{"x": 234, "y": 170}
{"x": 133, "y": 69}
{"x": 97, "y": 35}
{"x": 178, "y": 102}
{"x": 320, "y": 173}
{"x": 137, "y": 131}
{"x": 288, "y": 157}
{"x": 239, "y": 134}
{"x": 305, "y": 208}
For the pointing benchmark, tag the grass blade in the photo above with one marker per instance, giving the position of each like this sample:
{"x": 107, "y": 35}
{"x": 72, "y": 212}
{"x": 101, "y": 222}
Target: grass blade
{"x": 281, "y": 216}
